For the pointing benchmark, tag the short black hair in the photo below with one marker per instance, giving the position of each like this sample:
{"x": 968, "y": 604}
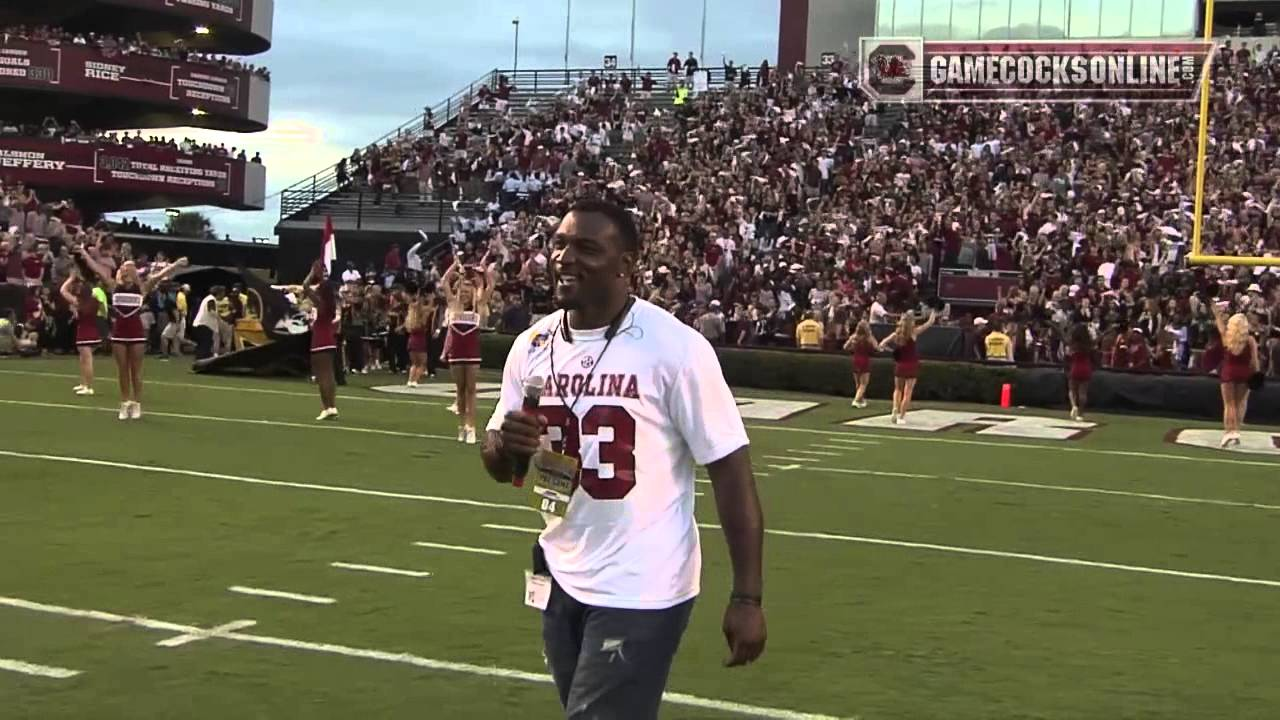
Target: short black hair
{"x": 621, "y": 218}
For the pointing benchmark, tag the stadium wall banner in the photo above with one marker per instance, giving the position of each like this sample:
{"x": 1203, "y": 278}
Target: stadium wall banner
{"x": 83, "y": 70}
{"x": 912, "y": 69}
{"x": 86, "y": 166}
{"x": 976, "y": 287}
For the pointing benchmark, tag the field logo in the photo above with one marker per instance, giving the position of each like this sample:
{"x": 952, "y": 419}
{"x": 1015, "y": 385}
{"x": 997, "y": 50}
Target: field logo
{"x": 1253, "y": 443}
{"x": 1019, "y": 426}
{"x": 917, "y": 70}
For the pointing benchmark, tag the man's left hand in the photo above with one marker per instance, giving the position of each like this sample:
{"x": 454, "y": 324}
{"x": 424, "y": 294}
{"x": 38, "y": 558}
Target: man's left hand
{"x": 744, "y": 630}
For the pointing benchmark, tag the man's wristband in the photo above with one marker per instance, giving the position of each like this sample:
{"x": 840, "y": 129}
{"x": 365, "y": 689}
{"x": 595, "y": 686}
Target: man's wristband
{"x": 745, "y": 599}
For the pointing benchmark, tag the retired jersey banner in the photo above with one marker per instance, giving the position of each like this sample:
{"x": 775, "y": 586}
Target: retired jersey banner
{"x": 120, "y": 169}
{"x": 918, "y": 70}
{"x": 76, "y": 69}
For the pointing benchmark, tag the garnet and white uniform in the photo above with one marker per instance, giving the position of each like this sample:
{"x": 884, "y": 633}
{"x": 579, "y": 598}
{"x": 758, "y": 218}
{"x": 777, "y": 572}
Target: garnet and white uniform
{"x": 87, "y": 320}
{"x": 647, "y": 409}
{"x": 126, "y": 316}
{"x": 463, "y": 343}
{"x": 323, "y": 333}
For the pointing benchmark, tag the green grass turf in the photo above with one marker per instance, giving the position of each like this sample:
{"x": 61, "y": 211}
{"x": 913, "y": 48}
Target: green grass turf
{"x": 855, "y": 629}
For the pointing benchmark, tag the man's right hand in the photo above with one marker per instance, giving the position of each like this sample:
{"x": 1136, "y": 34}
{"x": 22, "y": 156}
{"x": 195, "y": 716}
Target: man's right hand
{"x": 522, "y": 434}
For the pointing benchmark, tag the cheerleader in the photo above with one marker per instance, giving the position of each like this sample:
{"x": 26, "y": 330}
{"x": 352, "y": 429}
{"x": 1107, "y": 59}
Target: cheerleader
{"x": 1239, "y": 362}
{"x": 324, "y": 337}
{"x": 128, "y": 336}
{"x": 79, "y": 296}
{"x": 418, "y": 322}
{"x": 906, "y": 362}
{"x": 861, "y": 344}
{"x": 468, "y": 303}
{"x": 1080, "y": 354}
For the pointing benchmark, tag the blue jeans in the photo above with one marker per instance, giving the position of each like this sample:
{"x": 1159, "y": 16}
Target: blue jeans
{"x": 610, "y": 664}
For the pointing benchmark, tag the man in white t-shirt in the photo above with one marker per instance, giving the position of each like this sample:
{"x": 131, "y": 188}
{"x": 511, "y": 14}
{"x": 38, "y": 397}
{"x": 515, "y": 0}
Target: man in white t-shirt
{"x": 639, "y": 398}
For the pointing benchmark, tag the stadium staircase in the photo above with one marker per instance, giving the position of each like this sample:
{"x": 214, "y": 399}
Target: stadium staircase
{"x": 305, "y": 204}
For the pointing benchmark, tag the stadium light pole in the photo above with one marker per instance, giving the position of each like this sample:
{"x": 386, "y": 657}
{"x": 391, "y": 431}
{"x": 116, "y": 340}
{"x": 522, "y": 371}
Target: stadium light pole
{"x": 568, "y": 15}
{"x": 515, "y": 60}
{"x": 633, "y": 33}
{"x": 702, "y": 49}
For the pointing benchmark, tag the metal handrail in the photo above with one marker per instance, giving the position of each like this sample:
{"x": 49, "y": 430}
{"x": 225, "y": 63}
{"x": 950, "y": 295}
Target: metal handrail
{"x": 359, "y": 206}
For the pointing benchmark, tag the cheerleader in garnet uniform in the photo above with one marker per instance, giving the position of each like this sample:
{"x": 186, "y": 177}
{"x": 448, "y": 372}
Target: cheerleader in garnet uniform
{"x": 324, "y": 337}
{"x": 128, "y": 336}
{"x": 1239, "y": 362}
{"x": 1080, "y": 363}
{"x": 417, "y": 323}
{"x": 468, "y": 302}
{"x": 79, "y": 296}
{"x": 861, "y": 344}
{"x": 906, "y": 362}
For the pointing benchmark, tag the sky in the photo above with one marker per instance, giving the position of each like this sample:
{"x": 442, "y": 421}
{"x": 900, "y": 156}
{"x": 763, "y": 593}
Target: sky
{"x": 344, "y": 74}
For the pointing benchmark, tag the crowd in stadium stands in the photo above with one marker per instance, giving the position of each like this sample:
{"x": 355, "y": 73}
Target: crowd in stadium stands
{"x": 51, "y": 129}
{"x": 36, "y": 241}
{"x": 786, "y": 198}
{"x": 115, "y": 46}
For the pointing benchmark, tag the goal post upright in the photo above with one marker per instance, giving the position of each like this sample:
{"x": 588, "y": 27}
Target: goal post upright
{"x": 1197, "y": 256}
{"x": 1202, "y": 143}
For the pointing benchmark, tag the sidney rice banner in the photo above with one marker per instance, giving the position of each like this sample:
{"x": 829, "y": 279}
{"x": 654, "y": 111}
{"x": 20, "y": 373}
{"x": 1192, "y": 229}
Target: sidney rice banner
{"x": 83, "y": 70}
{"x": 104, "y": 168}
{"x": 918, "y": 70}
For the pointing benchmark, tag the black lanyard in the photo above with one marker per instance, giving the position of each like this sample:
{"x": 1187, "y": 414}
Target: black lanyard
{"x": 610, "y": 334}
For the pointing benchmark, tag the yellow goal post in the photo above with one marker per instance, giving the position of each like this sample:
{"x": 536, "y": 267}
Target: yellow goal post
{"x": 1197, "y": 256}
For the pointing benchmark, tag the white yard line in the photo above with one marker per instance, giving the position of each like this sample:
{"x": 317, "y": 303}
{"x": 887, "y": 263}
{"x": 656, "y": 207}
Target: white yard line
{"x": 236, "y": 421}
{"x": 698, "y": 481}
{"x": 461, "y": 548}
{"x": 790, "y": 458}
{"x": 1016, "y": 555}
{"x": 1055, "y": 488}
{"x": 401, "y": 658}
{"x": 261, "y": 481}
{"x": 872, "y": 473}
{"x": 282, "y": 595}
{"x": 188, "y": 638}
{"x": 512, "y": 528}
{"x": 230, "y": 388}
{"x": 819, "y": 453}
{"x": 27, "y": 668}
{"x": 843, "y": 448}
{"x": 860, "y": 439}
{"x": 380, "y": 569}
{"x": 1123, "y": 493}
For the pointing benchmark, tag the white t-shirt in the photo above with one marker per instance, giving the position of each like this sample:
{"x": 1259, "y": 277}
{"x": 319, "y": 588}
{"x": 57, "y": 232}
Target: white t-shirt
{"x": 207, "y": 313}
{"x": 651, "y": 407}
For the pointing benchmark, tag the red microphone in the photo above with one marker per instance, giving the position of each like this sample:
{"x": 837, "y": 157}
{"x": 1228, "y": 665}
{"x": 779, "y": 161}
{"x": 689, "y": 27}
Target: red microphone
{"x": 532, "y": 400}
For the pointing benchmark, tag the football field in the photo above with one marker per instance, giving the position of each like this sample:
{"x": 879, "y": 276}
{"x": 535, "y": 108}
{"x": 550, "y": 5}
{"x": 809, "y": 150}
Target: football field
{"x": 228, "y": 557}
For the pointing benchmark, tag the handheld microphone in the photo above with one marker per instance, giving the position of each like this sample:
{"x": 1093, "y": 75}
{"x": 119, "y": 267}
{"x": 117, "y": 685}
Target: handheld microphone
{"x": 532, "y": 399}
